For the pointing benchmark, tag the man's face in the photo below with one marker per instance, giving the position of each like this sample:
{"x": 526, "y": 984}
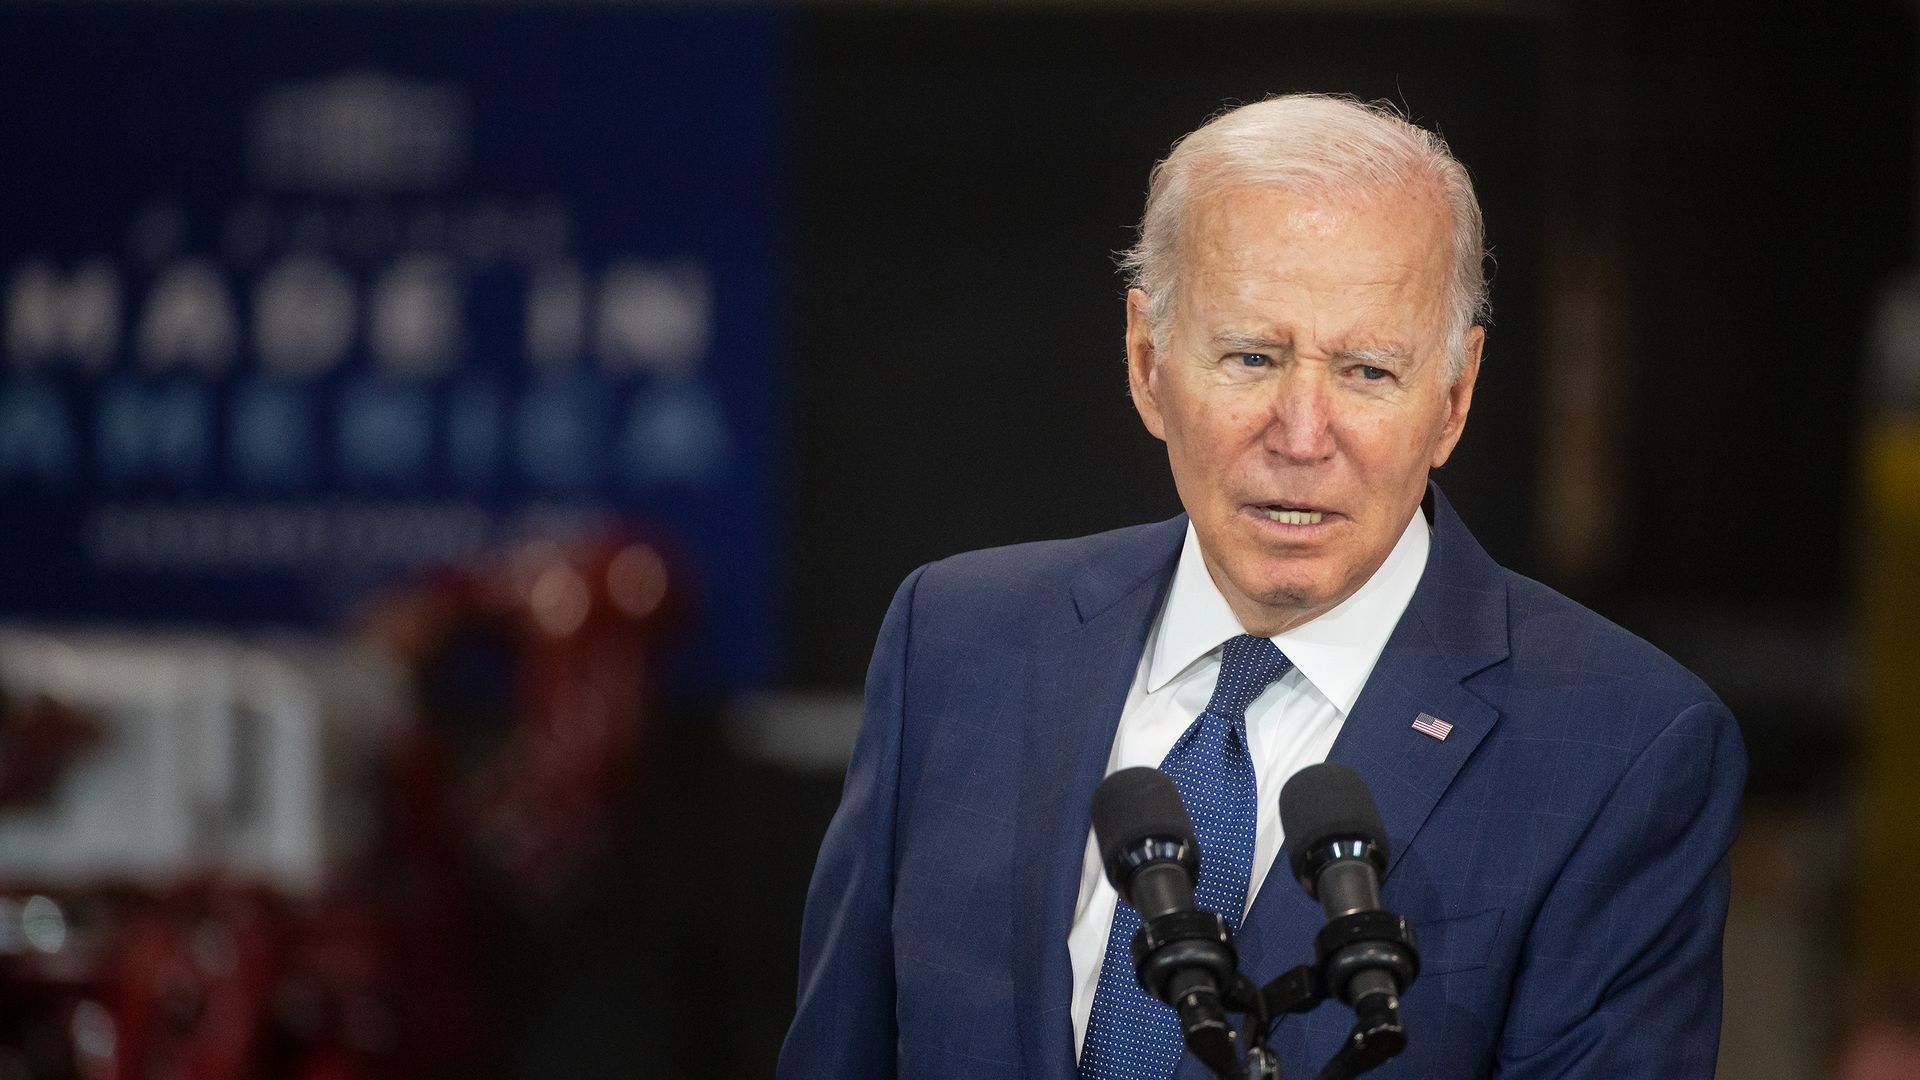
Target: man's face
{"x": 1303, "y": 392}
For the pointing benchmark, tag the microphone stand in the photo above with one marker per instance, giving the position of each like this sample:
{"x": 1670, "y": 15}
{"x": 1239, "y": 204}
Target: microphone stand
{"x": 1361, "y": 940}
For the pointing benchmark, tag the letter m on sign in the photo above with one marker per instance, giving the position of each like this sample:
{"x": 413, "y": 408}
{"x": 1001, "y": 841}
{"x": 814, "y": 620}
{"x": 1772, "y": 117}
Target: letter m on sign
{"x": 50, "y": 318}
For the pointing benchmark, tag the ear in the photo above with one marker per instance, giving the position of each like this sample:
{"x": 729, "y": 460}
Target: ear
{"x": 1142, "y": 375}
{"x": 1460, "y": 397}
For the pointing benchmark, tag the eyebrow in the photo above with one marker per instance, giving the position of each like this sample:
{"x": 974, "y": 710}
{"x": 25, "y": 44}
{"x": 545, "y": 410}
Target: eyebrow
{"x": 1235, "y": 341}
{"x": 1373, "y": 354}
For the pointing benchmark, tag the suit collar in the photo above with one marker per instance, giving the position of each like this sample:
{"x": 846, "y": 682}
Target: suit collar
{"x": 1144, "y": 555}
{"x": 1462, "y": 599}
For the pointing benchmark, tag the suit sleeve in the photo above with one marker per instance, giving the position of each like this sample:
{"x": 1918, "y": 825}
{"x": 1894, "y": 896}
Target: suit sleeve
{"x": 844, "y": 1023}
{"x": 1621, "y": 977}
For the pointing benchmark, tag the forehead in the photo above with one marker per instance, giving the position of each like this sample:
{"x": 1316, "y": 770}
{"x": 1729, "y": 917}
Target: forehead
{"x": 1385, "y": 253}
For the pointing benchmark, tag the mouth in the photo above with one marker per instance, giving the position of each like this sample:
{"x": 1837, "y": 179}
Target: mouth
{"x": 1291, "y": 514}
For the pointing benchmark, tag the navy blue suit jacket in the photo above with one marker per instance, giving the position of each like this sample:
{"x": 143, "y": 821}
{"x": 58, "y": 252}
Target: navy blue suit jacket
{"x": 1561, "y": 854}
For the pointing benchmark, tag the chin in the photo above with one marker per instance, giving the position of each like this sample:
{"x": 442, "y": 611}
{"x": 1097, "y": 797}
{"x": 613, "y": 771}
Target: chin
{"x": 1284, "y": 579}
{"x": 1291, "y": 594}
{"x": 1296, "y": 599}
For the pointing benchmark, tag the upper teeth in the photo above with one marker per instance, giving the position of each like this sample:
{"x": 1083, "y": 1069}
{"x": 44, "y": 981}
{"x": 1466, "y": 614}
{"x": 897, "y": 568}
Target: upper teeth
{"x": 1296, "y": 517}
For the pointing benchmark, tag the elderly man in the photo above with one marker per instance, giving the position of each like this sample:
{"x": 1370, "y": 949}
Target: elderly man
{"x": 1559, "y": 796}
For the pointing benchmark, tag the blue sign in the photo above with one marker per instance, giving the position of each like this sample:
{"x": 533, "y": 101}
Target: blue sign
{"x": 297, "y": 303}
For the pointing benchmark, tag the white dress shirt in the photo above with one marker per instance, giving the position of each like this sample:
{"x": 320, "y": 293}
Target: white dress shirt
{"x": 1291, "y": 725}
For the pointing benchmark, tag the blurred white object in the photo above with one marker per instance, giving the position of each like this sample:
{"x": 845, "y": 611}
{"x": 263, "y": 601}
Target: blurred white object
{"x": 244, "y": 758}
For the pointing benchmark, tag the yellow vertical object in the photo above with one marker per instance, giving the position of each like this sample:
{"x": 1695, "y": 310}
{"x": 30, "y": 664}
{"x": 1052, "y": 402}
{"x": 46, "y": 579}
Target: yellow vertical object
{"x": 1890, "y": 835}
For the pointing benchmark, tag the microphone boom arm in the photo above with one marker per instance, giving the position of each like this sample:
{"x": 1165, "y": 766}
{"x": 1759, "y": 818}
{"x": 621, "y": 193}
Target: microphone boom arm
{"x": 1377, "y": 1036}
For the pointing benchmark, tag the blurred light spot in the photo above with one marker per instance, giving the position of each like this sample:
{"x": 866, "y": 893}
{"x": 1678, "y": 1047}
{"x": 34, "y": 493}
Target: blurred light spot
{"x": 637, "y": 580}
{"x": 559, "y": 600}
{"x": 93, "y": 1038}
{"x": 44, "y": 924}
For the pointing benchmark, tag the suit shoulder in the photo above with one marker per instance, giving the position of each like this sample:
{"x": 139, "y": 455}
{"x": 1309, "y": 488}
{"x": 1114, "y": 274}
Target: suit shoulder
{"x": 1550, "y": 633}
{"x": 1019, "y": 582}
{"x": 1042, "y": 561}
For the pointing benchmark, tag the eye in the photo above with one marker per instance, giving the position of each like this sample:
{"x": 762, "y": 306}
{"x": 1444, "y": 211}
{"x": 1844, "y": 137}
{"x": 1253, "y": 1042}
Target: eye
{"x": 1252, "y": 359}
{"x": 1371, "y": 373}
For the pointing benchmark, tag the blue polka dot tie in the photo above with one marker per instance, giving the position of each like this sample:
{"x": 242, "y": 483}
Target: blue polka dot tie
{"x": 1131, "y": 1036}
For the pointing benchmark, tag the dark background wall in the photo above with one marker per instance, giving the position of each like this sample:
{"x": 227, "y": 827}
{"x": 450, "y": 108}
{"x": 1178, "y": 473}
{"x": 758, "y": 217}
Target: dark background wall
{"x": 1769, "y": 200}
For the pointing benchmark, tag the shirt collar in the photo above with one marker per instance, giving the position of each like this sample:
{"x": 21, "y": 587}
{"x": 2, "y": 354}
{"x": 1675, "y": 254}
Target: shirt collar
{"x": 1335, "y": 652}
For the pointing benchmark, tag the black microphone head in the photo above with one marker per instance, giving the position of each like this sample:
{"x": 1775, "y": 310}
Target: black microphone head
{"x": 1324, "y": 803}
{"x": 1134, "y": 805}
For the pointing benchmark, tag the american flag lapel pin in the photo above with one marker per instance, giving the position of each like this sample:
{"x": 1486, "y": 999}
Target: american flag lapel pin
{"x": 1428, "y": 724}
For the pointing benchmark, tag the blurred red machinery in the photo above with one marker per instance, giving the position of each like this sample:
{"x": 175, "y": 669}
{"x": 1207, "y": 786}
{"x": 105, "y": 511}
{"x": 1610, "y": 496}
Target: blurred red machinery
{"x": 335, "y": 935}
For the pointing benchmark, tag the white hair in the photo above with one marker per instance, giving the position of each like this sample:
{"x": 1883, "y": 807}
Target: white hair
{"x": 1314, "y": 144}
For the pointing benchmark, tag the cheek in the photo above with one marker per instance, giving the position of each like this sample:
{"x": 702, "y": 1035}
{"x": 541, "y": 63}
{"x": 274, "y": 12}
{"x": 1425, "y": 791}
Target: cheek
{"x": 1216, "y": 430}
{"x": 1390, "y": 443}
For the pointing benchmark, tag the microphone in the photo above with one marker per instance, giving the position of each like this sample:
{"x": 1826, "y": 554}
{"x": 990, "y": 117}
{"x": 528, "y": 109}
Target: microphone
{"x": 1181, "y": 955}
{"x": 1338, "y": 850}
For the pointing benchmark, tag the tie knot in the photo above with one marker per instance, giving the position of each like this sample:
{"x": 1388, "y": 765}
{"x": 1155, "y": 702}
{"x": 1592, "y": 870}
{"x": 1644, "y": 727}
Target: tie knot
{"x": 1248, "y": 665}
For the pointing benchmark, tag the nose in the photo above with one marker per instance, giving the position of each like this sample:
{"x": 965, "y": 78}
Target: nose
{"x": 1300, "y": 420}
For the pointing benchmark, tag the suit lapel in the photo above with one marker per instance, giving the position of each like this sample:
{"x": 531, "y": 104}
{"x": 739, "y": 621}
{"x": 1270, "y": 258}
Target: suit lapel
{"x": 1455, "y": 626}
{"x": 1079, "y": 686}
